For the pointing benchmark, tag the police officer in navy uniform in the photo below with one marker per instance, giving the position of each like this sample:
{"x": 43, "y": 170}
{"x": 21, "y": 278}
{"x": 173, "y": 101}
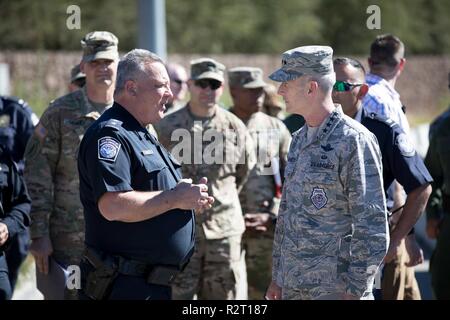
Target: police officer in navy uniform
{"x": 400, "y": 162}
{"x": 17, "y": 122}
{"x": 138, "y": 209}
{"x": 14, "y": 214}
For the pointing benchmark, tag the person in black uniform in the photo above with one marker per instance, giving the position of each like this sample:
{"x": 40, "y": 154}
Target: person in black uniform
{"x": 14, "y": 214}
{"x": 138, "y": 210}
{"x": 17, "y": 122}
{"x": 400, "y": 162}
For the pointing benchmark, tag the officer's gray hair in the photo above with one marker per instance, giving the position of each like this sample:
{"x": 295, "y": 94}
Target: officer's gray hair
{"x": 132, "y": 66}
{"x": 325, "y": 82}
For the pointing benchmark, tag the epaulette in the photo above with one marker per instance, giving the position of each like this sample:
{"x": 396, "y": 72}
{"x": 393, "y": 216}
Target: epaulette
{"x": 391, "y": 123}
{"x": 16, "y": 100}
{"x": 114, "y": 123}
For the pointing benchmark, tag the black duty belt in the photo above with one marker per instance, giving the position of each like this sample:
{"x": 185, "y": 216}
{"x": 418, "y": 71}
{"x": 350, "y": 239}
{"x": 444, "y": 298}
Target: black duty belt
{"x": 154, "y": 274}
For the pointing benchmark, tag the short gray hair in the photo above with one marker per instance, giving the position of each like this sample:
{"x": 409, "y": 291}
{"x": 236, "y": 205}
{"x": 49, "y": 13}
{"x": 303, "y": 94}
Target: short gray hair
{"x": 325, "y": 82}
{"x": 132, "y": 65}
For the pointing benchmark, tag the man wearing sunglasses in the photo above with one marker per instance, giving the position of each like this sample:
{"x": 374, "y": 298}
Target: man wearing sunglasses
{"x": 331, "y": 233}
{"x": 400, "y": 162}
{"x": 260, "y": 197}
{"x": 212, "y": 142}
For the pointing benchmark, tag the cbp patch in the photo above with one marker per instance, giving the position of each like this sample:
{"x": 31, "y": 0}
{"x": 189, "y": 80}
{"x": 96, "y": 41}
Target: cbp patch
{"x": 319, "y": 198}
{"x": 404, "y": 145}
{"x": 108, "y": 148}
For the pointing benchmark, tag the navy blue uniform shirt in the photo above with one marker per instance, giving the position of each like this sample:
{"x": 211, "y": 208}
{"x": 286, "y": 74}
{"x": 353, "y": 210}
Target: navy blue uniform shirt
{"x": 117, "y": 155}
{"x": 400, "y": 160}
{"x": 16, "y": 127}
{"x": 15, "y": 203}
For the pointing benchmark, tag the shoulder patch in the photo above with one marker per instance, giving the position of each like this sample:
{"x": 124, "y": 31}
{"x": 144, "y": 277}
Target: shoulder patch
{"x": 404, "y": 145}
{"x": 113, "y": 123}
{"x": 391, "y": 123}
{"x": 108, "y": 148}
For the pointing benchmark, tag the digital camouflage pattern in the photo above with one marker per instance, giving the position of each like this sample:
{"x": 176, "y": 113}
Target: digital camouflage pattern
{"x": 332, "y": 232}
{"x": 52, "y": 175}
{"x": 214, "y": 268}
{"x": 437, "y": 161}
{"x": 306, "y": 60}
{"x": 271, "y": 139}
{"x": 225, "y": 178}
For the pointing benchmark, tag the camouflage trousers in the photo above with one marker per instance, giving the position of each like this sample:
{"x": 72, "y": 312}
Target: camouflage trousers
{"x": 258, "y": 258}
{"x": 213, "y": 271}
{"x": 399, "y": 281}
{"x": 68, "y": 250}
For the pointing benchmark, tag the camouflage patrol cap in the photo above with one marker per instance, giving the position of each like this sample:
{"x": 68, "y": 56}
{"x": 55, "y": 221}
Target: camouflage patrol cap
{"x": 99, "y": 45}
{"x": 246, "y": 77}
{"x": 76, "y": 73}
{"x": 307, "y": 60}
{"x": 206, "y": 68}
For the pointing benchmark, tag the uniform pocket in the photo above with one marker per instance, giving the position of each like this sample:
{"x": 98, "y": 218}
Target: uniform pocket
{"x": 318, "y": 260}
{"x": 156, "y": 175}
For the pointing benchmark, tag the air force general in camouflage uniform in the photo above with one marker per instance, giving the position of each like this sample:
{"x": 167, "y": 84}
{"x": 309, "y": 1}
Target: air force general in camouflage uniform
{"x": 260, "y": 196}
{"x": 331, "y": 233}
{"x": 51, "y": 156}
{"x": 211, "y": 142}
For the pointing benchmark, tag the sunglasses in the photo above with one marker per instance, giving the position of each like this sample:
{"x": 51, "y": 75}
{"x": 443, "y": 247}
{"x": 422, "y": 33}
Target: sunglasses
{"x": 341, "y": 86}
{"x": 204, "y": 83}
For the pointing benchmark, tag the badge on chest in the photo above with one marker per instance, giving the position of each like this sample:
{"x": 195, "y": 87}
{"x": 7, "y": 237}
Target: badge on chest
{"x": 319, "y": 198}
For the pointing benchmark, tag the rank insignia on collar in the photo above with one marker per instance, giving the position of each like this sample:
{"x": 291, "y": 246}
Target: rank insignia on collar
{"x": 319, "y": 198}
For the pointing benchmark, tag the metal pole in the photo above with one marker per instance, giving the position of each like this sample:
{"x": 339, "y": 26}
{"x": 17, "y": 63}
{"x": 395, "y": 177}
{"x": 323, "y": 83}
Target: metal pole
{"x": 5, "y": 86}
{"x": 152, "y": 26}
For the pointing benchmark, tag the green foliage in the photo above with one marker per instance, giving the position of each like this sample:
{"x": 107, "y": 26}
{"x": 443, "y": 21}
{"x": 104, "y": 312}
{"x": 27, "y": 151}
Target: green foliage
{"x": 232, "y": 26}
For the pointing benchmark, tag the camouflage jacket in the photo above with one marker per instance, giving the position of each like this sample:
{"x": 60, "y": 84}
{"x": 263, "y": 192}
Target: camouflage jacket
{"x": 271, "y": 139}
{"x": 219, "y": 148}
{"x": 437, "y": 162}
{"x": 331, "y": 233}
{"x": 51, "y": 166}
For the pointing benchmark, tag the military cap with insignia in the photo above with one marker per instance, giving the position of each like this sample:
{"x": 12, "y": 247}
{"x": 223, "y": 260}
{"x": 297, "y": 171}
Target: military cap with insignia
{"x": 306, "y": 60}
{"x": 206, "y": 68}
{"x": 100, "y": 45}
{"x": 246, "y": 77}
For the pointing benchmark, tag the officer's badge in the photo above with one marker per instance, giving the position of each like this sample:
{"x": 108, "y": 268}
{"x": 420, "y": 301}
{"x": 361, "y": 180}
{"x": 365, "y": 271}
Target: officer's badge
{"x": 108, "y": 148}
{"x": 404, "y": 145}
{"x": 4, "y": 121}
{"x": 319, "y": 198}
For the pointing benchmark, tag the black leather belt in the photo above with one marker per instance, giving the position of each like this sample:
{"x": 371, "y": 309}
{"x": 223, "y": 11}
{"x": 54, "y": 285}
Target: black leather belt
{"x": 154, "y": 274}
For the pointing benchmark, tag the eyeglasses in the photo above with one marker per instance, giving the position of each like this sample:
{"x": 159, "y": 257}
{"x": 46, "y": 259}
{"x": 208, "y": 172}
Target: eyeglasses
{"x": 204, "y": 83}
{"x": 341, "y": 86}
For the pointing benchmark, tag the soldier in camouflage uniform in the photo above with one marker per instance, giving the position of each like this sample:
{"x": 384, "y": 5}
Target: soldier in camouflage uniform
{"x": 57, "y": 223}
{"x": 211, "y": 142}
{"x": 260, "y": 196}
{"x": 77, "y": 79}
{"x": 438, "y": 209}
{"x": 332, "y": 233}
